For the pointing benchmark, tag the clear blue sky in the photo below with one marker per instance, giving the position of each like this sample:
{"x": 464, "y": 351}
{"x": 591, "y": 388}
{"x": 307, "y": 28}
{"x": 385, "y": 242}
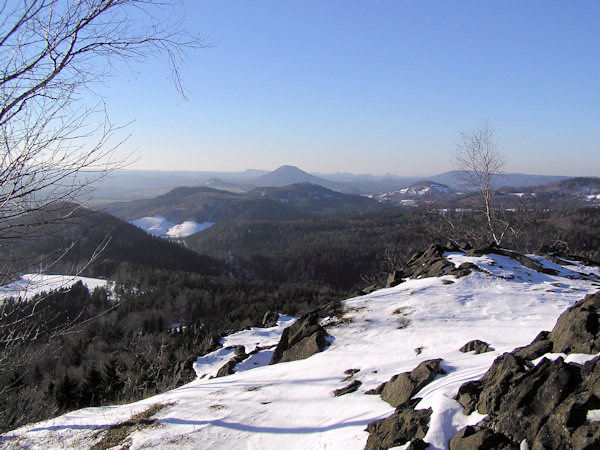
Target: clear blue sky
{"x": 372, "y": 87}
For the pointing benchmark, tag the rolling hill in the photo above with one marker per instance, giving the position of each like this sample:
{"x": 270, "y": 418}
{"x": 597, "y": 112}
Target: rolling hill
{"x": 203, "y": 204}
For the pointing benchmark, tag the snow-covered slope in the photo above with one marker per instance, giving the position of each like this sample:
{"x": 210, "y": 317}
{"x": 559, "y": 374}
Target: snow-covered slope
{"x": 187, "y": 228}
{"x": 34, "y": 283}
{"x": 290, "y": 405}
{"x": 159, "y": 226}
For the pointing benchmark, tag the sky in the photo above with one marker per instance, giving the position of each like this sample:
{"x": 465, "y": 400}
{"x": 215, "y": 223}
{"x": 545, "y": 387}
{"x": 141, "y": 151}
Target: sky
{"x": 370, "y": 87}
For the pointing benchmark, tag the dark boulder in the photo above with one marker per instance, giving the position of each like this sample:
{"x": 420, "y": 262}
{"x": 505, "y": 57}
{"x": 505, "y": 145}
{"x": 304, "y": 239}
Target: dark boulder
{"x": 476, "y": 345}
{"x": 431, "y": 263}
{"x": 486, "y": 394}
{"x": 270, "y": 319}
{"x": 394, "y": 279}
{"x": 471, "y": 438}
{"x": 538, "y": 347}
{"x": 227, "y": 368}
{"x": 352, "y": 387}
{"x": 300, "y": 340}
{"x": 403, "y": 386}
{"x": 534, "y": 397}
{"x": 524, "y": 260}
{"x": 546, "y": 405}
{"x": 404, "y": 425}
{"x": 417, "y": 444}
{"x": 576, "y": 330}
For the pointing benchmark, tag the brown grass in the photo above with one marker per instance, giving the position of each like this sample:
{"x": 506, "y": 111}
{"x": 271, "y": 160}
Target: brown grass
{"x": 118, "y": 434}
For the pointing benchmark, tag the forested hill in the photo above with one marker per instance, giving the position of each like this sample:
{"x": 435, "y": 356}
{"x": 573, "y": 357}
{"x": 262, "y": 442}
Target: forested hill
{"x": 100, "y": 242}
{"x": 204, "y": 204}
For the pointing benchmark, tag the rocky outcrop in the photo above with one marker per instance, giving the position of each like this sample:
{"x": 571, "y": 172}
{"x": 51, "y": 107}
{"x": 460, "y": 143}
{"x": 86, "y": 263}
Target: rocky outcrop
{"x": 525, "y": 260}
{"x": 302, "y": 339}
{"x": 576, "y": 330}
{"x": 477, "y": 346}
{"x": 546, "y": 404}
{"x": 406, "y": 424}
{"x": 269, "y": 319}
{"x": 431, "y": 263}
{"x": 538, "y": 347}
{"x": 227, "y": 368}
{"x": 470, "y": 438}
{"x": 401, "y": 427}
{"x": 403, "y": 386}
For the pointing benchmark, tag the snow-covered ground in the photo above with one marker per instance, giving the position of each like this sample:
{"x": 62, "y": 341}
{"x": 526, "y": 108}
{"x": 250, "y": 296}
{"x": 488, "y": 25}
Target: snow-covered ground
{"x": 159, "y": 226}
{"x": 290, "y": 405}
{"x": 35, "y": 283}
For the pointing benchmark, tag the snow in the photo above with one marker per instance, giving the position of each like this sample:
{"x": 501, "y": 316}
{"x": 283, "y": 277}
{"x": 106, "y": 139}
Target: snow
{"x": 156, "y": 226}
{"x": 33, "y": 283}
{"x": 578, "y": 358}
{"x": 187, "y": 228}
{"x": 159, "y": 226}
{"x": 208, "y": 365}
{"x": 290, "y": 405}
{"x": 593, "y": 415}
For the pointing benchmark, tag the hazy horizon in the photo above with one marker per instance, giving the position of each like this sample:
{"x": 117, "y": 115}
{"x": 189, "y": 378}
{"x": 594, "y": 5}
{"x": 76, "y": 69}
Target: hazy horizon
{"x": 365, "y": 87}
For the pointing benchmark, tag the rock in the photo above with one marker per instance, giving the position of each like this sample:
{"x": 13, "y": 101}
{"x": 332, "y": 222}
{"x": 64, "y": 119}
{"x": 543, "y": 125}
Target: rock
{"x": 471, "y": 438}
{"x": 485, "y": 394}
{"x": 368, "y": 289}
{"x": 403, "y": 386}
{"x": 525, "y": 260}
{"x": 417, "y": 444}
{"x": 270, "y": 319}
{"x": 394, "y": 279}
{"x": 533, "y": 398}
{"x": 300, "y": 340}
{"x": 546, "y": 404}
{"x": 538, "y": 347}
{"x": 576, "y": 330}
{"x": 352, "y": 387}
{"x": 477, "y": 345}
{"x": 227, "y": 368}
{"x": 431, "y": 263}
{"x": 404, "y": 425}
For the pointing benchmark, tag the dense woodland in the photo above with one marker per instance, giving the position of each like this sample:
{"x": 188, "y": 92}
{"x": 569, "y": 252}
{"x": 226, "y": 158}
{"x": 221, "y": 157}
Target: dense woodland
{"x": 94, "y": 349}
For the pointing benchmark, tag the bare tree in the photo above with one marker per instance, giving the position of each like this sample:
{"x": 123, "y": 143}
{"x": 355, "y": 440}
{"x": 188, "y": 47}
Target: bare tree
{"x": 54, "y": 143}
{"x": 56, "y": 138}
{"x": 479, "y": 161}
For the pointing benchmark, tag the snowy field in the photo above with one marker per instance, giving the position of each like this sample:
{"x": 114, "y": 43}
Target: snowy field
{"x": 290, "y": 405}
{"x": 34, "y": 283}
{"x": 159, "y": 226}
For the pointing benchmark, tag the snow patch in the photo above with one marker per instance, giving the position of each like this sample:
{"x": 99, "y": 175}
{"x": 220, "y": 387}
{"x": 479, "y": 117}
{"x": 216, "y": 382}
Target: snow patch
{"x": 35, "y": 283}
{"x": 188, "y": 228}
{"x": 156, "y": 226}
{"x": 159, "y": 226}
{"x": 593, "y": 415}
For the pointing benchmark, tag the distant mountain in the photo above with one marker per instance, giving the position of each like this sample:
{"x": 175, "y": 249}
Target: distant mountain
{"x": 577, "y": 186}
{"x": 286, "y": 175}
{"x": 315, "y": 199}
{"x": 204, "y": 204}
{"x": 504, "y": 180}
{"x": 218, "y": 183}
{"x": 579, "y": 191}
{"x": 417, "y": 193}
